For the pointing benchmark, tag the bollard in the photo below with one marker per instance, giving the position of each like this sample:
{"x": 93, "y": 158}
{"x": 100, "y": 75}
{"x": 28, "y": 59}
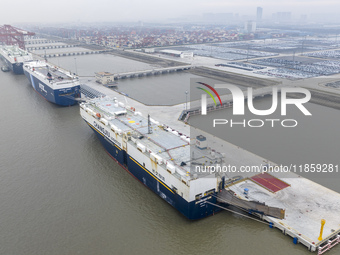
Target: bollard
{"x": 321, "y": 230}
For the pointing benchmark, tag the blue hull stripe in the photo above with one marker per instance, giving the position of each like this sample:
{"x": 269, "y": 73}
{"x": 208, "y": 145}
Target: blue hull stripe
{"x": 32, "y": 81}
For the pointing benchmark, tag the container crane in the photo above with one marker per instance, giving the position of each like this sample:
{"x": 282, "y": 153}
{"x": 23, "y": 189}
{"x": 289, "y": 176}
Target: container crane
{"x": 10, "y": 35}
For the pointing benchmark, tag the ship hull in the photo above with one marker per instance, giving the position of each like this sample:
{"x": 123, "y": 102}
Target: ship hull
{"x": 62, "y": 97}
{"x": 193, "y": 210}
{"x": 16, "y": 68}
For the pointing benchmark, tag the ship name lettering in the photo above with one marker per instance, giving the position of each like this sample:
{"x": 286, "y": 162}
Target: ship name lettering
{"x": 101, "y": 129}
{"x": 106, "y": 133}
{"x": 42, "y": 87}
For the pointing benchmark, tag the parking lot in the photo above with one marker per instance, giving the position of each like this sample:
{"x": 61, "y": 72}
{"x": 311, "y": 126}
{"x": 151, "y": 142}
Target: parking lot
{"x": 329, "y": 54}
{"x": 299, "y": 68}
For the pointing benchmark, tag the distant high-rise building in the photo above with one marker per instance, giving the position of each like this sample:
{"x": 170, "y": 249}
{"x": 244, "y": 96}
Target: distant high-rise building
{"x": 259, "y": 14}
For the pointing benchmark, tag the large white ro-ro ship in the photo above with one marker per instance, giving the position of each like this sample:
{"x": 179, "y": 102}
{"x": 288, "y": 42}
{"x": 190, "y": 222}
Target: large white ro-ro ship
{"x": 161, "y": 158}
{"x": 14, "y": 57}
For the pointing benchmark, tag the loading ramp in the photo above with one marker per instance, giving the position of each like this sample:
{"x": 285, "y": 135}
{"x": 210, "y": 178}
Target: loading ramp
{"x": 229, "y": 197}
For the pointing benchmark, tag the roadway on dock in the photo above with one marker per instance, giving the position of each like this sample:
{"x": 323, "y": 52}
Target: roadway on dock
{"x": 149, "y": 59}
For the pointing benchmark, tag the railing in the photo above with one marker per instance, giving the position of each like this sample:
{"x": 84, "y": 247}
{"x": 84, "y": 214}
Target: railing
{"x": 187, "y": 117}
{"x": 152, "y": 71}
{"x": 330, "y": 244}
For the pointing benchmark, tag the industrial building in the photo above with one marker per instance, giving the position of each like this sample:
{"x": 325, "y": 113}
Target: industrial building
{"x": 177, "y": 53}
{"x": 104, "y": 78}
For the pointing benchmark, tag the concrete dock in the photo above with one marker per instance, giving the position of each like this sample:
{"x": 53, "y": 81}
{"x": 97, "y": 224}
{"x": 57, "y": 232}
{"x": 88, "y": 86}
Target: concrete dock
{"x": 306, "y": 204}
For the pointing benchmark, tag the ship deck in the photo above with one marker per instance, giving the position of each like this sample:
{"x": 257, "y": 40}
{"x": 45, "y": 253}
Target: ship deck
{"x": 15, "y": 51}
{"x": 168, "y": 144}
{"x": 43, "y": 69}
{"x": 56, "y": 73}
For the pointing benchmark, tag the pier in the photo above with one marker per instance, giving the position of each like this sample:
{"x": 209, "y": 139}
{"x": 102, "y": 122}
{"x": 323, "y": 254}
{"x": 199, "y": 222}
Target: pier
{"x": 302, "y": 222}
{"x": 39, "y": 41}
{"x": 59, "y": 46}
{"x": 151, "y": 72}
{"x": 146, "y": 58}
{"x": 65, "y": 54}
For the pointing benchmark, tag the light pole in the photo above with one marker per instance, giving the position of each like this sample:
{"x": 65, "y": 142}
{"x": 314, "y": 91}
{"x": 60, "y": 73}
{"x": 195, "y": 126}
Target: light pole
{"x": 303, "y": 43}
{"x": 186, "y": 100}
{"x": 75, "y": 62}
{"x": 248, "y": 53}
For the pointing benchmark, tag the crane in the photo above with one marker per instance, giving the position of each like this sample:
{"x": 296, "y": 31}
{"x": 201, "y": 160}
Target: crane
{"x": 10, "y": 35}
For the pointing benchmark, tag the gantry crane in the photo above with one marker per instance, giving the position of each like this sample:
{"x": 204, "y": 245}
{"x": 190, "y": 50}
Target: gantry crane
{"x": 13, "y": 36}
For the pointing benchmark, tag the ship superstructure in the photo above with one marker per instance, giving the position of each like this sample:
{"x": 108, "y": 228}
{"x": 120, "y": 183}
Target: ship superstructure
{"x": 53, "y": 83}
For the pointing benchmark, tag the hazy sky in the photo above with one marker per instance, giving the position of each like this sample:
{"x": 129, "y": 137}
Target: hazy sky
{"x": 147, "y": 10}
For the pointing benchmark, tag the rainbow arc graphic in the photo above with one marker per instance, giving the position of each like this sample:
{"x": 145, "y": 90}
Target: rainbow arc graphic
{"x": 209, "y": 93}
